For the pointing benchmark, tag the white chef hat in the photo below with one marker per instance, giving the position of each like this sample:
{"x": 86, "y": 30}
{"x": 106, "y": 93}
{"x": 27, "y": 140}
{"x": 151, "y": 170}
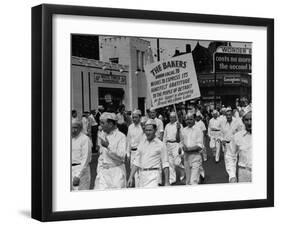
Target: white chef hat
{"x": 215, "y": 112}
{"x": 228, "y": 109}
{"x": 143, "y": 119}
{"x": 108, "y": 115}
{"x": 76, "y": 121}
{"x": 189, "y": 114}
{"x": 247, "y": 111}
{"x": 136, "y": 112}
{"x": 150, "y": 122}
{"x": 173, "y": 113}
{"x": 198, "y": 113}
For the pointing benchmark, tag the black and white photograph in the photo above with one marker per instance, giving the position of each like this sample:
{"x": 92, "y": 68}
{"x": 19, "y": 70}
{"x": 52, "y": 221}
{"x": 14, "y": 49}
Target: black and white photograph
{"x": 150, "y": 112}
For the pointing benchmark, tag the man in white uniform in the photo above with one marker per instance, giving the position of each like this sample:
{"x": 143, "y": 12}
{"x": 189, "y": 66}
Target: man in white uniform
{"x": 192, "y": 143}
{"x": 159, "y": 124}
{"x": 214, "y": 132}
{"x": 172, "y": 140}
{"x": 229, "y": 128}
{"x": 134, "y": 136}
{"x": 242, "y": 150}
{"x": 200, "y": 125}
{"x": 222, "y": 116}
{"x": 150, "y": 156}
{"x": 111, "y": 172}
{"x": 81, "y": 156}
{"x": 85, "y": 124}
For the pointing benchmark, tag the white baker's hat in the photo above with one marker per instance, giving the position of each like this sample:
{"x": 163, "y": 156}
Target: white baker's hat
{"x": 215, "y": 112}
{"x": 136, "y": 112}
{"x": 246, "y": 111}
{"x": 143, "y": 119}
{"x": 173, "y": 113}
{"x": 108, "y": 115}
{"x": 188, "y": 115}
{"x": 76, "y": 121}
{"x": 228, "y": 109}
{"x": 198, "y": 113}
{"x": 150, "y": 122}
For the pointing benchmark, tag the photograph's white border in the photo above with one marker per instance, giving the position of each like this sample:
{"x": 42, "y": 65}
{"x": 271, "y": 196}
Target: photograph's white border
{"x": 65, "y": 200}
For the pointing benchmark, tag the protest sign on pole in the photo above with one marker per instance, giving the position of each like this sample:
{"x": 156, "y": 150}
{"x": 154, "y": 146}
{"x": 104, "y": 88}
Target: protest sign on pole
{"x": 172, "y": 81}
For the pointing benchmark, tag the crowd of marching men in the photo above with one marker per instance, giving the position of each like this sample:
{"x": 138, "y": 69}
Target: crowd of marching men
{"x": 163, "y": 149}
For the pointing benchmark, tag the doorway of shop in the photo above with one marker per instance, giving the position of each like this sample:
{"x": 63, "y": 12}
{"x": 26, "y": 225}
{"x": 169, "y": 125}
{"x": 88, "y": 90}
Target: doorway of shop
{"x": 110, "y": 96}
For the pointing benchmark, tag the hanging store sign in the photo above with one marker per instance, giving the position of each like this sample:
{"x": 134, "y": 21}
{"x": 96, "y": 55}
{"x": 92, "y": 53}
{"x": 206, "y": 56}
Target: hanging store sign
{"x": 232, "y": 62}
{"x": 107, "y": 78}
{"x": 234, "y": 50}
{"x": 231, "y": 79}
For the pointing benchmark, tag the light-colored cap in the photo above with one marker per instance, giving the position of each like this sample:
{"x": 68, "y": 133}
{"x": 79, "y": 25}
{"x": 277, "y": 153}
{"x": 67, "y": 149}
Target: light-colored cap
{"x": 173, "y": 114}
{"x": 247, "y": 111}
{"x": 228, "y": 109}
{"x": 215, "y": 112}
{"x": 108, "y": 115}
{"x": 189, "y": 115}
{"x": 143, "y": 119}
{"x": 76, "y": 121}
{"x": 150, "y": 122}
{"x": 198, "y": 113}
{"x": 136, "y": 112}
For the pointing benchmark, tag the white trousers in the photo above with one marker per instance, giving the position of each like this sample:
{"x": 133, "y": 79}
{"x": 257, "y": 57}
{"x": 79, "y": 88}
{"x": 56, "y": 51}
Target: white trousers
{"x": 229, "y": 161}
{"x": 192, "y": 166}
{"x": 136, "y": 177}
{"x": 215, "y": 146}
{"x": 85, "y": 178}
{"x": 244, "y": 175}
{"x": 172, "y": 154}
{"x": 110, "y": 178}
{"x": 149, "y": 179}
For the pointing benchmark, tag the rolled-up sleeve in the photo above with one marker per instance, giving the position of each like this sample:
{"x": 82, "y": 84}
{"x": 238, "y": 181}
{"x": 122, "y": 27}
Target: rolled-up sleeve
{"x": 136, "y": 161}
{"x": 164, "y": 156}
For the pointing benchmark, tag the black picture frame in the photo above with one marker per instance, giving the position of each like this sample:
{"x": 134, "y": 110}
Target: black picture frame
{"x": 42, "y": 107}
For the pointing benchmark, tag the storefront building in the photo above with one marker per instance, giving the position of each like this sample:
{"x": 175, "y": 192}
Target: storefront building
{"x": 229, "y": 87}
{"x": 93, "y": 81}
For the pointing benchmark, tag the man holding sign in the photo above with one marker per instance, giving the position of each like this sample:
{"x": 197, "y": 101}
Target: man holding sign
{"x": 172, "y": 140}
{"x": 192, "y": 144}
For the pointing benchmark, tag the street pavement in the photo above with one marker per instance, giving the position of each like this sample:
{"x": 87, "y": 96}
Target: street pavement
{"x": 214, "y": 172}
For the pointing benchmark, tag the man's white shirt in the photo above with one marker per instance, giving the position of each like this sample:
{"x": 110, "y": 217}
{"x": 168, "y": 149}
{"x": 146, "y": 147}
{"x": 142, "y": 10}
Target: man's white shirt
{"x": 151, "y": 154}
{"x": 114, "y": 154}
{"x": 134, "y": 136}
{"x": 170, "y": 132}
{"x": 191, "y": 137}
{"x": 81, "y": 152}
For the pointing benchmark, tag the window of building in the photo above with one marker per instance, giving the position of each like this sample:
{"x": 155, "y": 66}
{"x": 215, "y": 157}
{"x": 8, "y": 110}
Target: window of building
{"x": 142, "y": 61}
{"x": 138, "y": 61}
{"x": 114, "y": 60}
